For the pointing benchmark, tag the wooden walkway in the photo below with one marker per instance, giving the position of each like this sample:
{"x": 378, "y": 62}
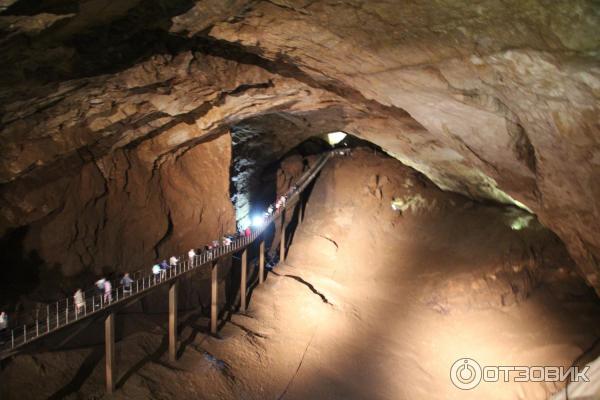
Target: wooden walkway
{"x": 63, "y": 313}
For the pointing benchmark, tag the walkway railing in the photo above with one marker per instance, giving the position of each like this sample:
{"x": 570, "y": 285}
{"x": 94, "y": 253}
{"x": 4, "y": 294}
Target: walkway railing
{"x": 65, "y": 312}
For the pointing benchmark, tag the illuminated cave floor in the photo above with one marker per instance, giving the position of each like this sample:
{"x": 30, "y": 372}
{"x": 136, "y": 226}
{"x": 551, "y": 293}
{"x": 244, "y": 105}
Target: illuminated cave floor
{"x": 370, "y": 304}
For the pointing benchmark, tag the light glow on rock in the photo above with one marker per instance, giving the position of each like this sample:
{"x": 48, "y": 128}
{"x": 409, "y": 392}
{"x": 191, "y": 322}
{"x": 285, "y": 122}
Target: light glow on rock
{"x": 335, "y": 137}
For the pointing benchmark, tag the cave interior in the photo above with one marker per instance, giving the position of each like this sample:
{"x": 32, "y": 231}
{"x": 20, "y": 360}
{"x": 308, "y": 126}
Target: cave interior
{"x": 465, "y": 222}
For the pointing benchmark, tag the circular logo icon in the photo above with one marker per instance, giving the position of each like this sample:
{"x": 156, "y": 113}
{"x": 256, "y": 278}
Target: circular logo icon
{"x": 465, "y": 373}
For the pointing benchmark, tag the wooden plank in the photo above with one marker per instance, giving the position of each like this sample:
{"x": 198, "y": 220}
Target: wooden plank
{"x": 109, "y": 346}
{"x": 244, "y": 280}
{"x": 282, "y": 241}
{"x": 214, "y": 306}
{"x": 261, "y": 262}
{"x": 173, "y": 291}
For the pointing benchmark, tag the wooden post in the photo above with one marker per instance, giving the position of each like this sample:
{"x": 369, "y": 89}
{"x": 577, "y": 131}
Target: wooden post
{"x": 261, "y": 262}
{"x": 173, "y": 289}
{"x": 109, "y": 345}
{"x": 214, "y": 307}
{"x": 300, "y": 210}
{"x": 244, "y": 280}
{"x": 282, "y": 241}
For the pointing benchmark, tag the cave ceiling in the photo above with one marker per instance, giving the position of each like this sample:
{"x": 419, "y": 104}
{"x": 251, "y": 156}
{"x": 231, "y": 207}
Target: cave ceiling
{"x": 495, "y": 100}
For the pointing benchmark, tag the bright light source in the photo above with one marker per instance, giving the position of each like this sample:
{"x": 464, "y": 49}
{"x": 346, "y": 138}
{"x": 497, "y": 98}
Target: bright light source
{"x": 258, "y": 221}
{"x": 335, "y": 137}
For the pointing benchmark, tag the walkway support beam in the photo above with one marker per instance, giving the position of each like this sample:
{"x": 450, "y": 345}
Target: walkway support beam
{"x": 244, "y": 280}
{"x": 300, "y": 210}
{"x": 109, "y": 347}
{"x": 214, "y": 306}
{"x": 173, "y": 292}
{"x": 261, "y": 262}
{"x": 96, "y": 304}
{"x": 282, "y": 241}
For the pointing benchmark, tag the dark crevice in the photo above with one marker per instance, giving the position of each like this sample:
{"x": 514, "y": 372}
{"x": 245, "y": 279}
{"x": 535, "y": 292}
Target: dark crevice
{"x": 248, "y": 331}
{"x": 305, "y": 283}
{"x": 166, "y": 236}
{"x": 326, "y": 238}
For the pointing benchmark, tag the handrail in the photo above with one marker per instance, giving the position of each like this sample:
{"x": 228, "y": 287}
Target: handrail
{"x": 64, "y": 312}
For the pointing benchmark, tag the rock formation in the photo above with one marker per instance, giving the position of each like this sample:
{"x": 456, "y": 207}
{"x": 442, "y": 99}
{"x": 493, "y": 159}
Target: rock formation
{"x": 112, "y": 111}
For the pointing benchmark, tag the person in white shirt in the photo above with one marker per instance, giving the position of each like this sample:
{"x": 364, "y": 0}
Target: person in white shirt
{"x": 79, "y": 301}
{"x": 3, "y": 321}
{"x": 191, "y": 255}
{"x": 107, "y": 292}
{"x": 155, "y": 271}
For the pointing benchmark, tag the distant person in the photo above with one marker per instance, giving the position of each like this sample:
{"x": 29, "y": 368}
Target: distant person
{"x": 126, "y": 281}
{"x": 156, "y": 271}
{"x": 3, "y": 321}
{"x": 248, "y": 232}
{"x": 173, "y": 261}
{"x": 163, "y": 269}
{"x": 191, "y": 255}
{"x": 107, "y": 292}
{"x": 79, "y": 301}
{"x": 100, "y": 287}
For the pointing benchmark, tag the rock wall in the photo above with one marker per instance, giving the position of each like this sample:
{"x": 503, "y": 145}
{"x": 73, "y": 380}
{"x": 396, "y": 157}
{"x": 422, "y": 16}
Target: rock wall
{"x": 123, "y": 211}
{"x": 506, "y": 93}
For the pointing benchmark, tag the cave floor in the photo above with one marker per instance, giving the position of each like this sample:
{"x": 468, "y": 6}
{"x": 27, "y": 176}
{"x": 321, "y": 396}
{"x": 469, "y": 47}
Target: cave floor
{"x": 370, "y": 304}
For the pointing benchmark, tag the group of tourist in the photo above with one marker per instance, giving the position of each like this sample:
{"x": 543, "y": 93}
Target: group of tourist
{"x": 160, "y": 270}
{"x": 279, "y": 204}
{"x": 103, "y": 286}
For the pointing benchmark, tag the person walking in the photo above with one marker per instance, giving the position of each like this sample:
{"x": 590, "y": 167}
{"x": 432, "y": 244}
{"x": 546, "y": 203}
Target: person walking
{"x": 163, "y": 269}
{"x": 107, "y": 292}
{"x": 126, "y": 281}
{"x": 100, "y": 285}
{"x": 79, "y": 301}
{"x": 155, "y": 271}
{"x": 99, "y": 290}
{"x": 248, "y": 232}
{"x": 191, "y": 255}
{"x": 3, "y": 327}
{"x": 3, "y": 321}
